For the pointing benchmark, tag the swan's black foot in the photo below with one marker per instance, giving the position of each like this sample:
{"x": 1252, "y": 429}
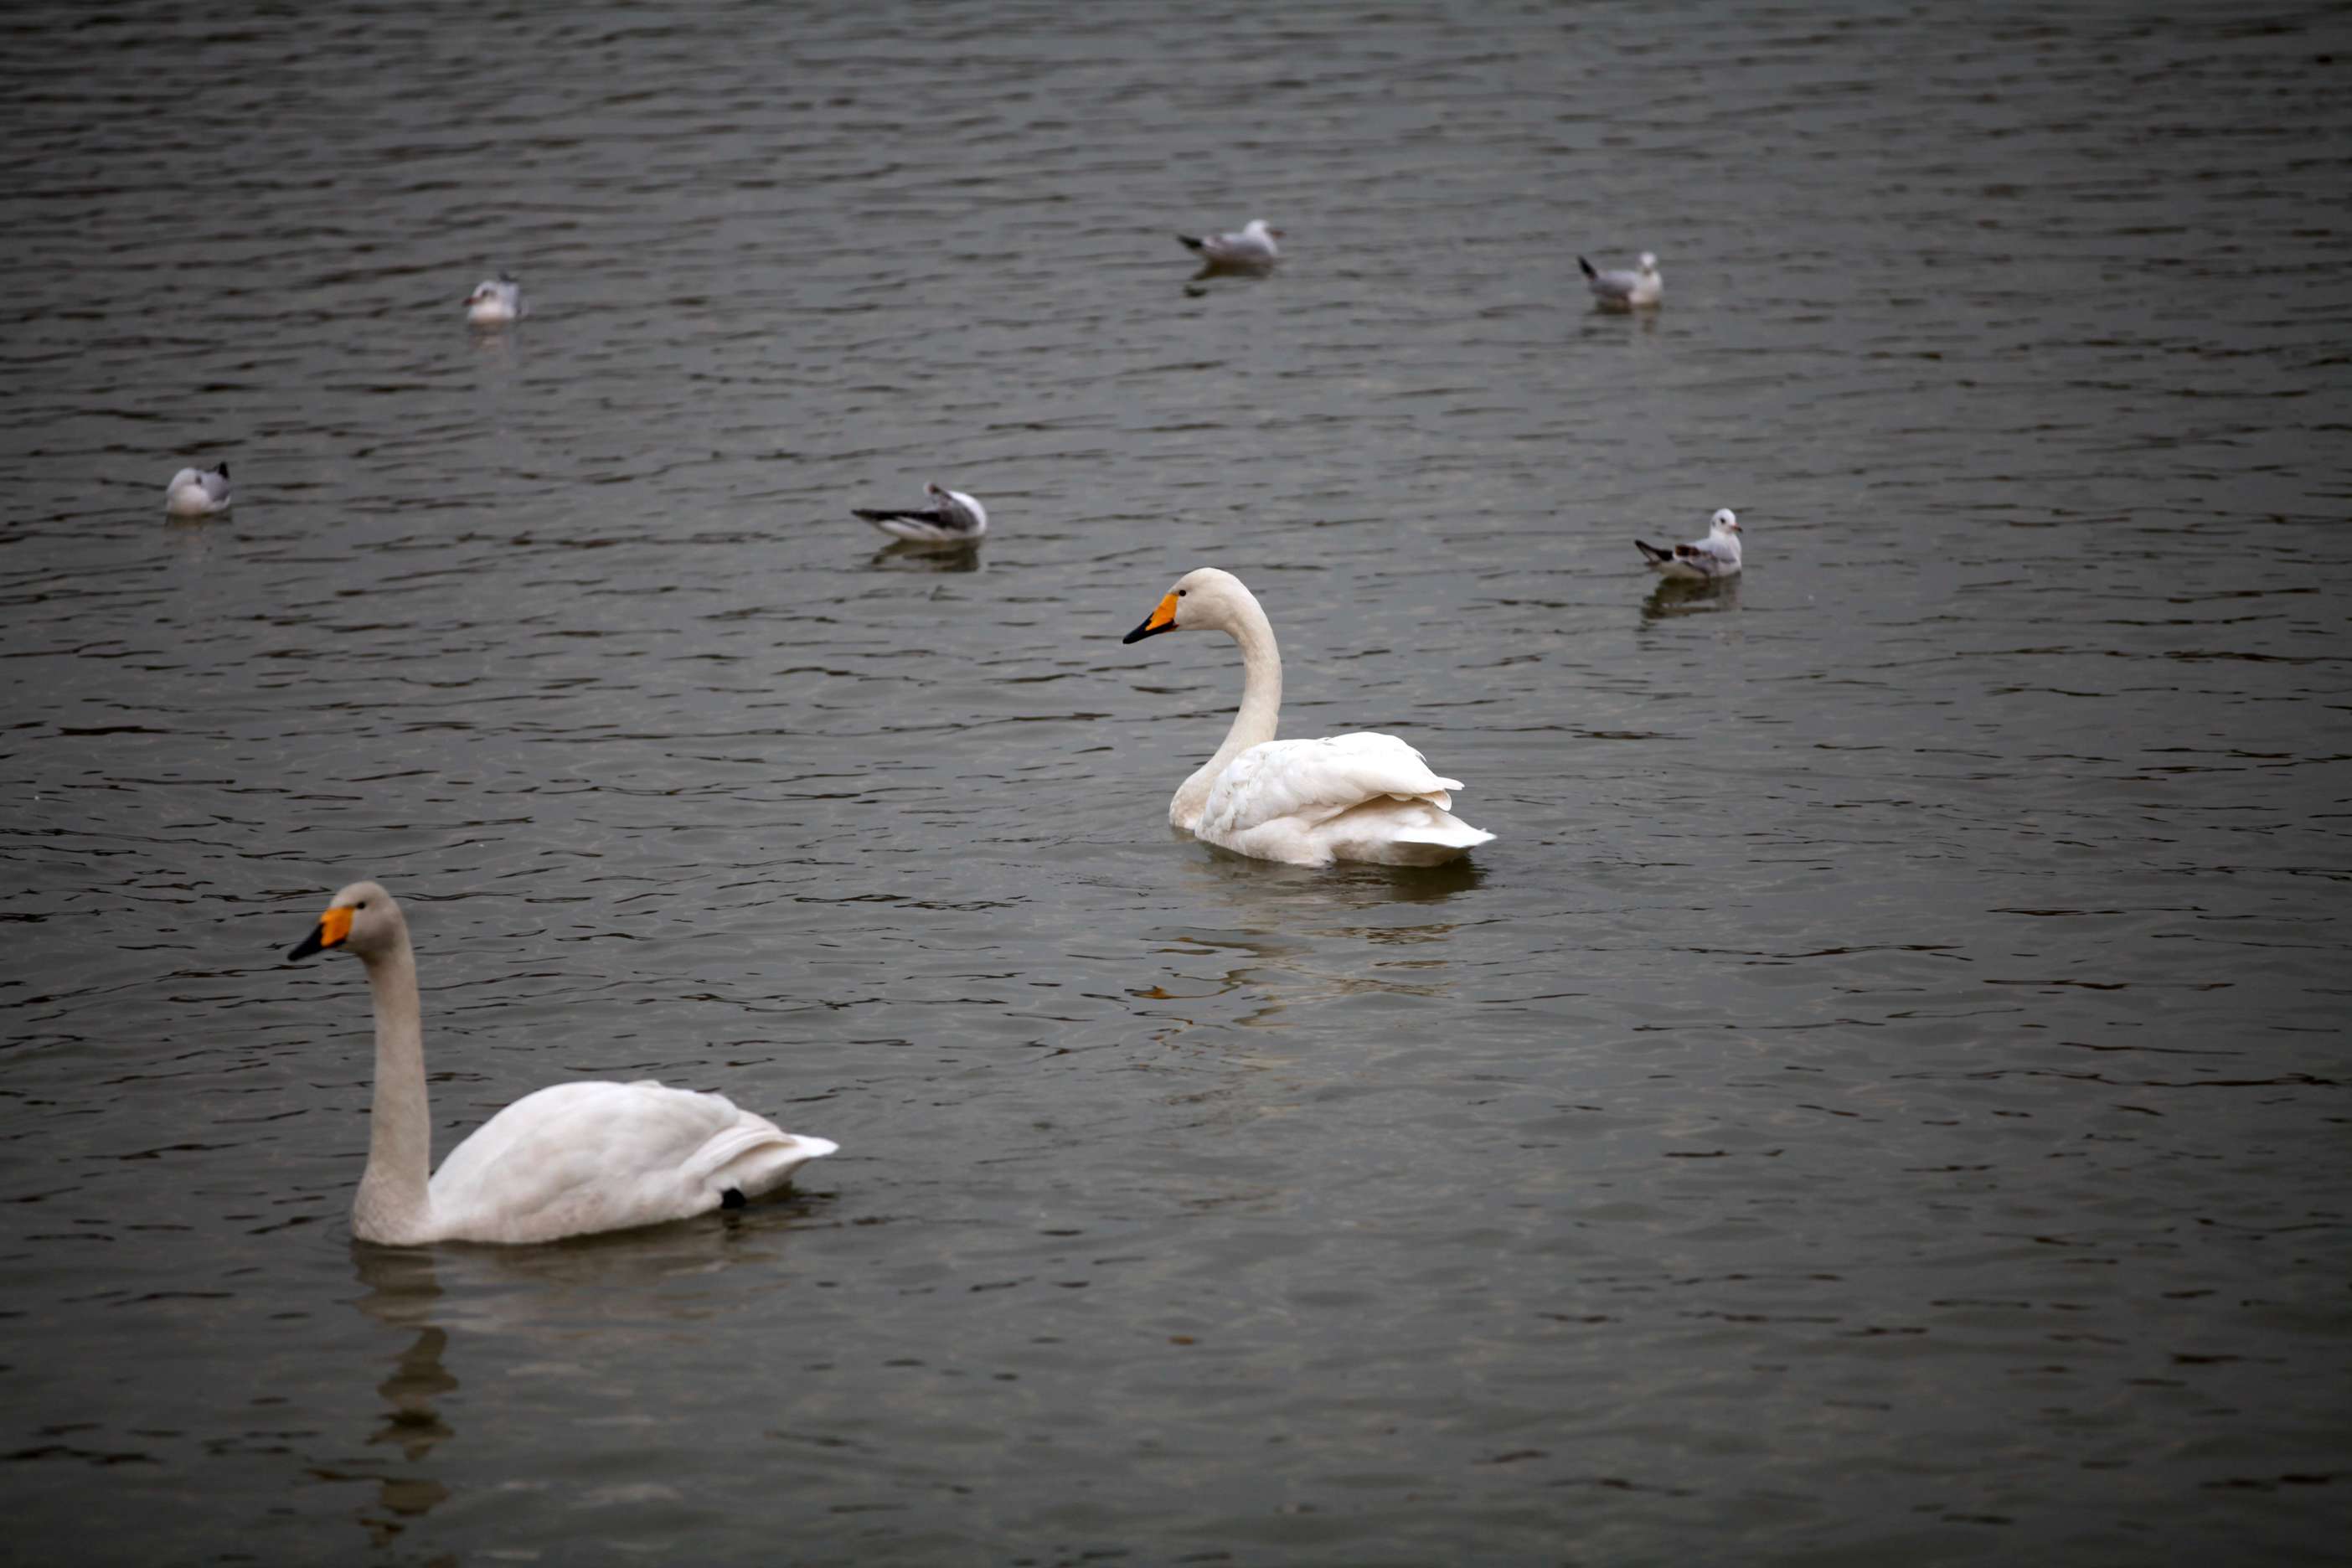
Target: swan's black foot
{"x": 732, "y": 1198}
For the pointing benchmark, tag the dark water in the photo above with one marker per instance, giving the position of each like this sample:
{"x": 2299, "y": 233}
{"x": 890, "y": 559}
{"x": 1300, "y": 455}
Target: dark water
{"x": 1881, "y": 1097}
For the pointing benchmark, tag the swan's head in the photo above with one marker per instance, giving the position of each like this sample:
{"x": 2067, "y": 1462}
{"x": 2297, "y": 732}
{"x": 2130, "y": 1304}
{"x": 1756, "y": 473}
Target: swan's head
{"x": 1725, "y": 523}
{"x": 362, "y": 917}
{"x": 1206, "y": 600}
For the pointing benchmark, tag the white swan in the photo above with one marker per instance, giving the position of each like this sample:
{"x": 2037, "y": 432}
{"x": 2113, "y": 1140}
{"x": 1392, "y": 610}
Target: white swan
{"x": 565, "y": 1160}
{"x": 1251, "y": 245}
{"x": 1626, "y": 290}
{"x": 1716, "y": 555}
{"x": 1357, "y": 797}
{"x": 952, "y": 518}
{"x": 197, "y": 492}
{"x": 495, "y": 301}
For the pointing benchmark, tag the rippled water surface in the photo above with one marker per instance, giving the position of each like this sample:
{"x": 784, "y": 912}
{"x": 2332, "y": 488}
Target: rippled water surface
{"x": 1880, "y": 1097}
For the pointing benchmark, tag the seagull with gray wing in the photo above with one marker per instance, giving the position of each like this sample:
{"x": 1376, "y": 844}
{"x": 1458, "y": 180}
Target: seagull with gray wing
{"x": 1643, "y": 286}
{"x": 952, "y": 518}
{"x": 1251, "y": 245}
{"x": 1702, "y": 560}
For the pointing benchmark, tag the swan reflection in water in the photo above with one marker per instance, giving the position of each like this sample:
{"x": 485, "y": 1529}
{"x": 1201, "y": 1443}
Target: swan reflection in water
{"x": 1675, "y": 596}
{"x": 1300, "y": 936}
{"x": 400, "y": 1294}
{"x": 498, "y": 1305}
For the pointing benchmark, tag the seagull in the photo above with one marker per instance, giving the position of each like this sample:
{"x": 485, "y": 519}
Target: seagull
{"x": 952, "y": 518}
{"x": 1253, "y": 247}
{"x": 194, "y": 492}
{"x": 1706, "y": 559}
{"x": 495, "y": 301}
{"x": 1626, "y": 290}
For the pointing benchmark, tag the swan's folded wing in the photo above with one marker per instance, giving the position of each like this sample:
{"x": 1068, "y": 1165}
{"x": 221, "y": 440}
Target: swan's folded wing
{"x": 1313, "y": 781}
{"x": 583, "y": 1157}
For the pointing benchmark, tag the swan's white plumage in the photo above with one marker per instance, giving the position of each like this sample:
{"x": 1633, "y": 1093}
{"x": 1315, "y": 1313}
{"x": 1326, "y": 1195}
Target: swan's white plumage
{"x": 1315, "y": 780}
{"x": 581, "y": 1157}
{"x": 569, "y": 1160}
{"x": 1362, "y": 795}
{"x": 197, "y": 492}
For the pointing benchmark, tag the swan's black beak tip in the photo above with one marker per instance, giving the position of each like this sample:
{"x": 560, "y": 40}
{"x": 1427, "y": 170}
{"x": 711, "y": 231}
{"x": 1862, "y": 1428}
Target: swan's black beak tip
{"x": 1146, "y": 630}
{"x": 307, "y": 946}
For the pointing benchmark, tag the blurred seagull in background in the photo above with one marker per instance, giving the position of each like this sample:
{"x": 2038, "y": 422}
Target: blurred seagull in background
{"x": 197, "y": 492}
{"x": 1705, "y": 560}
{"x": 1626, "y": 290}
{"x": 952, "y": 518}
{"x": 495, "y": 301}
{"x": 1251, "y": 247}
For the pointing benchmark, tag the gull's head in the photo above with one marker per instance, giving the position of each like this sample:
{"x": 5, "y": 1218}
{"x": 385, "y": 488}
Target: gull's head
{"x": 1205, "y": 600}
{"x": 1257, "y": 226}
{"x": 1725, "y": 523}
{"x": 935, "y": 492}
{"x": 362, "y": 917}
{"x": 1649, "y": 261}
{"x": 494, "y": 300}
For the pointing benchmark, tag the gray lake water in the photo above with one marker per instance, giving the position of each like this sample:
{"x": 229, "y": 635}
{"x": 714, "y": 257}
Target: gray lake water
{"x": 1880, "y": 1097}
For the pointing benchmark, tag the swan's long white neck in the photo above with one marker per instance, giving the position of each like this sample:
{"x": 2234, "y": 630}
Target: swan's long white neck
{"x": 394, "y": 1202}
{"x": 1261, "y": 708}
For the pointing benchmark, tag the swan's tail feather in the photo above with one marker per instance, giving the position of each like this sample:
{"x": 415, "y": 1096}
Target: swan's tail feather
{"x": 754, "y": 1156}
{"x": 1421, "y": 833}
{"x": 769, "y": 1166}
{"x": 1452, "y": 833}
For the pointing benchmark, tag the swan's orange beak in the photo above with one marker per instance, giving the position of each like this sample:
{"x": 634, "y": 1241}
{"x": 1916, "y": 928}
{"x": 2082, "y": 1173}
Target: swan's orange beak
{"x": 1163, "y": 619}
{"x": 332, "y": 927}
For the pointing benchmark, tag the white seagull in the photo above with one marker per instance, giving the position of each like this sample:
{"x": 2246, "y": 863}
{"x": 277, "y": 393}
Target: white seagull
{"x": 1362, "y": 797}
{"x": 1626, "y": 290}
{"x": 1253, "y": 247}
{"x": 1705, "y": 560}
{"x": 952, "y": 518}
{"x": 570, "y": 1160}
{"x": 495, "y": 301}
{"x": 196, "y": 492}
